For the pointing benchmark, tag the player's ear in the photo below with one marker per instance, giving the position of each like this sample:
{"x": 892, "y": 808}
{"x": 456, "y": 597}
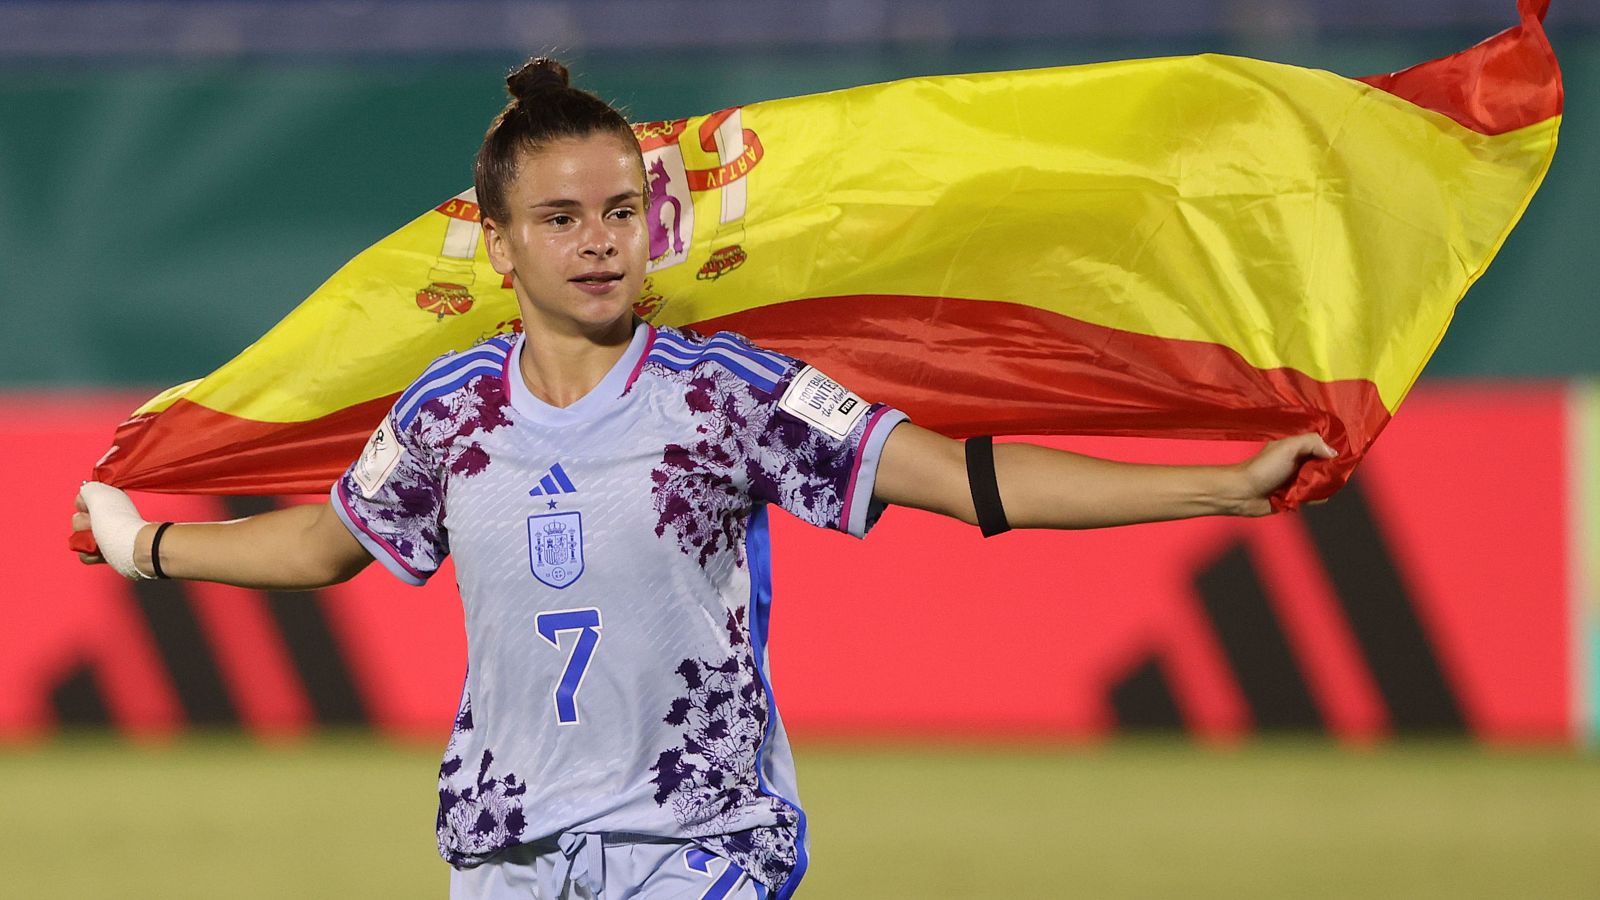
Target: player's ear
{"x": 495, "y": 242}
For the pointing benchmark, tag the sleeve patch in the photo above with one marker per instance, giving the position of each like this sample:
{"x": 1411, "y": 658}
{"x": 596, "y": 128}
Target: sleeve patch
{"x": 824, "y": 403}
{"x": 377, "y": 460}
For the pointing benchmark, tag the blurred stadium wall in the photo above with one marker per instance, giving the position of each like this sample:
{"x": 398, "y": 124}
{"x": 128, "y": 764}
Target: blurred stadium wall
{"x": 175, "y": 176}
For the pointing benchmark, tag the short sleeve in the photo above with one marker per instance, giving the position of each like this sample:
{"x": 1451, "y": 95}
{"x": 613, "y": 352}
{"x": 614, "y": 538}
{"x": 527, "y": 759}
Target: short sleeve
{"x": 392, "y": 499}
{"x": 817, "y": 452}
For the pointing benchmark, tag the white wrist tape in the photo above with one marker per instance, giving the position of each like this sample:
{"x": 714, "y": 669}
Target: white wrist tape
{"x": 116, "y": 523}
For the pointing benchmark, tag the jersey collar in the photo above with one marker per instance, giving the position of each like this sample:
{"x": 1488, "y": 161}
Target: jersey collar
{"x": 592, "y": 405}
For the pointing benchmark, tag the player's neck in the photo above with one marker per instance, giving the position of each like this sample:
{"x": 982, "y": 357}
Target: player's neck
{"x": 561, "y": 369}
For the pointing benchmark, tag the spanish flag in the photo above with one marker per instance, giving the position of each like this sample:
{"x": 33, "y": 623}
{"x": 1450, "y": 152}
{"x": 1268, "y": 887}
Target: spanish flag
{"x": 1201, "y": 247}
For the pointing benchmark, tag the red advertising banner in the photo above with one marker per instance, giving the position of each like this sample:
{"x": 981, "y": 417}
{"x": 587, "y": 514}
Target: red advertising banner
{"x": 1432, "y": 595}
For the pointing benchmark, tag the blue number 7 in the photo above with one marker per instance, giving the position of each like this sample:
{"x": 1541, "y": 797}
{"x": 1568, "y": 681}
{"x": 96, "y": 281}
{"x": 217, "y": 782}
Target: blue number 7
{"x": 587, "y": 623}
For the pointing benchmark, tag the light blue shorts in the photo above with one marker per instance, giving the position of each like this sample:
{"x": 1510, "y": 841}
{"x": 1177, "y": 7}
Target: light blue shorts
{"x": 605, "y": 867}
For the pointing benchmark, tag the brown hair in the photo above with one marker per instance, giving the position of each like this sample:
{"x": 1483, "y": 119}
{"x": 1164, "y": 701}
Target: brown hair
{"x": 544, "y": 107}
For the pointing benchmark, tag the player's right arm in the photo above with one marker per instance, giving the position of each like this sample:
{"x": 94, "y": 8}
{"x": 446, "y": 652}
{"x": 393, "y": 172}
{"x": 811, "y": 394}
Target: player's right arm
{"x": 295, "y": 548}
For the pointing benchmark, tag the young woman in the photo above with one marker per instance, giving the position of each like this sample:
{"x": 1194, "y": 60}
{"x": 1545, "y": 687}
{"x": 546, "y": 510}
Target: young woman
{"x": 603, "y": 487}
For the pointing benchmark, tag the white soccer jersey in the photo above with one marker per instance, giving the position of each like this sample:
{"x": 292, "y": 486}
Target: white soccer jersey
{"x": 612, "y": 560}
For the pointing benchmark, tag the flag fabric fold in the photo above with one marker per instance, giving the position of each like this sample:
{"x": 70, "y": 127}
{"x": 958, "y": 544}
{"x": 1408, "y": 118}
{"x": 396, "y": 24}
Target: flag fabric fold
{"x": 1203, "y": 247}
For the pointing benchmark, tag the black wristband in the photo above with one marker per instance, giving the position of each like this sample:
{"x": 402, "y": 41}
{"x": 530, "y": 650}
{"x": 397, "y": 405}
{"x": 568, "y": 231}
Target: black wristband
{"x": 155, "y": 549}
{"x": 985, "y": 488}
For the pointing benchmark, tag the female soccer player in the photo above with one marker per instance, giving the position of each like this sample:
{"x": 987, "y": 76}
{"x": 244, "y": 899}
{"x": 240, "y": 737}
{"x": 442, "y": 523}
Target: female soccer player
{"x": 603, "y": 486}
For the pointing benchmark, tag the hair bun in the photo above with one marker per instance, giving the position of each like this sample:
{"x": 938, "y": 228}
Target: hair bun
{"x": 536, "y": 75}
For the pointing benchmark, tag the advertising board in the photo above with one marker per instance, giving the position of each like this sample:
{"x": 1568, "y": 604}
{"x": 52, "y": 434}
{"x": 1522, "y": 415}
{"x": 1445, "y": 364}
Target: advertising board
{"x": 1436, "y": 594}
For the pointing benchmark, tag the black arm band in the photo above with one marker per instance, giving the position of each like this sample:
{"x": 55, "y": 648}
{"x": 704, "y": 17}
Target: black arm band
{"x": 155, "y": 549}
{"x": 985, "y": 489}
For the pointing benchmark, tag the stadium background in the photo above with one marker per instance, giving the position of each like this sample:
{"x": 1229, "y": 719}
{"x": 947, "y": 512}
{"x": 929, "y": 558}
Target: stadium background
{"x": 1391, "y": 695}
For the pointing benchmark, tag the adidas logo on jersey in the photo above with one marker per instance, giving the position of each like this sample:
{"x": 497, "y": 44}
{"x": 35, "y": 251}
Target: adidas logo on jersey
{"x": 553, "y": 482}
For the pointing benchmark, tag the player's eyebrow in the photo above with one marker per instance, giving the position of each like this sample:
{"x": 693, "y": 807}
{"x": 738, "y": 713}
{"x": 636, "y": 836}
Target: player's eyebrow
{"x": 570, "y": 204}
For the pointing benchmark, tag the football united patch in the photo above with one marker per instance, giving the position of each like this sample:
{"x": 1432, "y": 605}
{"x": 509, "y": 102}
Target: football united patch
{"x": 555, "y": 547}
{"x": 822, "y": 402}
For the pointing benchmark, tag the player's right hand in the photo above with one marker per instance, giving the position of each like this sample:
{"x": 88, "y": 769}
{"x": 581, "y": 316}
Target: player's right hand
{"x": 115, "y": 522}
{"x": 80, "y": 523}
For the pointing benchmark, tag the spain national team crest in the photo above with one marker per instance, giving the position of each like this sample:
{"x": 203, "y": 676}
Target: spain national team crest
{"x": 555, "y": 547}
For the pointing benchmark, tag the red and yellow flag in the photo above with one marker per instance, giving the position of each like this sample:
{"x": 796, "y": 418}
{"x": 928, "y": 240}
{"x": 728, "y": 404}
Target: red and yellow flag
{"x": 1205, "y": 247}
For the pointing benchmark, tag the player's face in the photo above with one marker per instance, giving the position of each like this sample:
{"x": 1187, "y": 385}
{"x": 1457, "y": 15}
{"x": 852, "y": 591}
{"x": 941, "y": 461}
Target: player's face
{"x": 575, "y": 243}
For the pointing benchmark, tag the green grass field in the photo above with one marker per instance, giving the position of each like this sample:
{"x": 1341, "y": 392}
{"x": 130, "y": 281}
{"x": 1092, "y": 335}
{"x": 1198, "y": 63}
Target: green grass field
{"x": 352, "y": 817}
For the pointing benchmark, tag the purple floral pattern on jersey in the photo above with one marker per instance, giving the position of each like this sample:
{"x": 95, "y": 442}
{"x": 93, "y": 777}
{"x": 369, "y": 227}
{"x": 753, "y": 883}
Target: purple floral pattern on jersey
{"x": 484, "y": 815}
{"x": 408, "y": 521}
{"x": 439, "y": 444}
{"x": 710, "y": 780}
{"x": 768, "y": 854}
{"x": 693, "y": 488}
{"x": 449, "y": 422}
{"x": 745, "y": 449}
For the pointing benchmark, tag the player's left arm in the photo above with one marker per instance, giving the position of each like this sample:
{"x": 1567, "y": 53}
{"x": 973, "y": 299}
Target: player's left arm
{"x": 1045, "y": 488}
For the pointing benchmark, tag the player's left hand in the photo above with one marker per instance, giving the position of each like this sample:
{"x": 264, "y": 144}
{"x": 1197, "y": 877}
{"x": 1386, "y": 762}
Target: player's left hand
{"x": 1271, "y": 468}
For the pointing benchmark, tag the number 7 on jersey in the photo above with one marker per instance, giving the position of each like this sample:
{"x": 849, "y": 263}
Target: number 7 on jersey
{"x": 587, "y": 623}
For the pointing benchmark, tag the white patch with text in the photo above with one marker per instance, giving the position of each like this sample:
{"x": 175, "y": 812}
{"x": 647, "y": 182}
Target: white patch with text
{"x": 377, "y": 460}
{"x": 815, "y": 398}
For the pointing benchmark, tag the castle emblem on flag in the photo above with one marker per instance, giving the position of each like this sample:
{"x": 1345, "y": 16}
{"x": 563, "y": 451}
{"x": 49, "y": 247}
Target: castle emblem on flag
{"x": 555, "y": 547}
